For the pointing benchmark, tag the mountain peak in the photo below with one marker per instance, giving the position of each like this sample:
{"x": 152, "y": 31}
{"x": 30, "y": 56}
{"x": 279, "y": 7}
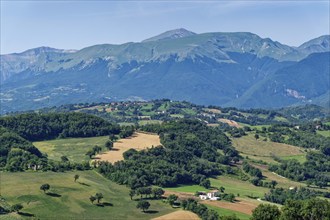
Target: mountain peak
{"x": 319, "y": 44}
{"x": 172, "y": 34}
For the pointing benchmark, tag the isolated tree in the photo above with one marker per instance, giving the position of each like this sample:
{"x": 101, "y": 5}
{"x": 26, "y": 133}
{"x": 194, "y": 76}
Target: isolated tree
{"x": 90, "y": 153}
{"x": 64, "y": 159}
{"x": 273, "y": 183}
{"x": 76, "y": 177}
{"x": 98, "y": 196}
{"x": 171, "y": 199}
{"x": 17, "y": 207}
{"x": 132, "y": 193}
{"x": 109, "y": 145}
{"x": 205, "y": 183}
{"x": 266, "y": 212}
{"x": 144, "y": 205}
{"x": 112, "y": 137}
{"x": 158, "y": 192}
{"x": 97, "y": 149}
{"x": 256, "y": 136}
{"x": 222, "y": 189}
{"x": 45, "y": 187}
{"x": 92, "y": 199}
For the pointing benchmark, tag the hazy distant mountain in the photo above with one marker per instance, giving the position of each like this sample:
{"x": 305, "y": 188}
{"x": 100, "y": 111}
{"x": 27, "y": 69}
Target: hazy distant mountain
{"x": 237, "y": 69}
{"x": 173, "y": 34}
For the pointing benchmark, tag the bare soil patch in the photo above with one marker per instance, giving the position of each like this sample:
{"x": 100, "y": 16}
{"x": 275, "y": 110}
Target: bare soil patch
{"x": 179, "y": 215}
{"x": 239, "y": 206}
{"x": 229, "y": 122}
{"x": 137, "y": 141}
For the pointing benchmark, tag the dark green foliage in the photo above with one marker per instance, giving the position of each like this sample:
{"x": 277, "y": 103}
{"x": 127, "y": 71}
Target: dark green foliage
{"x": 126, "y": 131}
{"x": 205, "y": 183}
{"x": 92, "y": 199}
{"x": 266, "y": 212}
{"x": 144, "y": 205}
{"x": 280, "y": 195}
{"x": 189, "y": 156}
{"x": 253, "y": 171}
{"x": 311, "y": 209}
{"x": 108, "y": 144}
{"x": 200, "y": 209}
{"x": 99, "y": 196}
{"x": 34, "y": 127}
{"x": 45, "y": 187}
{"x": 171, "y": 199}
{"x": 16, "y": 207}
{"x": 16, "y": 153}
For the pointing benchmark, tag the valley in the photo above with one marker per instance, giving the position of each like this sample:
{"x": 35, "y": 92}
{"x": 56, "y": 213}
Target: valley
{"x": 244, "y": 164}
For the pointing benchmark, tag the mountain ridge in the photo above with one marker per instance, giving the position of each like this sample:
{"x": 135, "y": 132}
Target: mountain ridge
{"x": 209, "y": 68}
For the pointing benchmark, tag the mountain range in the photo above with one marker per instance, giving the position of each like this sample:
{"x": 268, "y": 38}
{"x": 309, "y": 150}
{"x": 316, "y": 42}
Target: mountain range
{"x": 237, "y": 69}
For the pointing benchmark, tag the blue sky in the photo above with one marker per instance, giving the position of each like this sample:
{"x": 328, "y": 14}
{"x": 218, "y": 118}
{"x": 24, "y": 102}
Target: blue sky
{"x": 77, "y": 24}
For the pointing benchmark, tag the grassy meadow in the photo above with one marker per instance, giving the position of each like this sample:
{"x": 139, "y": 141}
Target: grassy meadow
{"x": 74, "y": 148}
{"x": 264, "y": 150}
{"x": 70, "y": 200}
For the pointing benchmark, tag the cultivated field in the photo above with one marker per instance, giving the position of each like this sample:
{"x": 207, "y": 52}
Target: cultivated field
{"x": 138, "y": 141}
{"x": 70, "y": 200}
{"x": 73, "y": 148}
{"x": 228, "y": 212}
{"x": 250, "y": 146}
{"x": 179, "y": 215}
{"x": 230, "y": 122}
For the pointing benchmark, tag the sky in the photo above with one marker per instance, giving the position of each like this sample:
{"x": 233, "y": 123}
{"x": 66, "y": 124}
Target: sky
{"x": 78, "y": 24}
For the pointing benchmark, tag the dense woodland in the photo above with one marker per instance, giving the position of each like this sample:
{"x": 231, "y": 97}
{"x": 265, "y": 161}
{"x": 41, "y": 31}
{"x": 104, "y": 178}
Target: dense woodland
{"x": 190, "y": 154}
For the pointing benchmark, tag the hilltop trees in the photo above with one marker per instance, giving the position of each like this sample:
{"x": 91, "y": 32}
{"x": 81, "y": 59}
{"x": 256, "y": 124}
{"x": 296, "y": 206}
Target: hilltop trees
{"x": 35, "y": 127}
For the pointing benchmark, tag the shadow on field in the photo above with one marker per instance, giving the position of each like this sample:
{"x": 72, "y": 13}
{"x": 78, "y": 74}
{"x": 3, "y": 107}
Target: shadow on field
{"x": 151, "y": 212}
{"x": 26, "y": 214}
{"x": 103, "y": 204}
{"x": 84, "y": 184}
{"x": 53, "y": 194}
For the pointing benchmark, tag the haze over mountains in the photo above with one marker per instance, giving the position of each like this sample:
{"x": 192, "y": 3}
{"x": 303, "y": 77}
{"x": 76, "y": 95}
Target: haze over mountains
{"x": 228, "y": 69}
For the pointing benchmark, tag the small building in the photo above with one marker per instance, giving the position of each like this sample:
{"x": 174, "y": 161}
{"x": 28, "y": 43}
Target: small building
{"x": 209, "y": 195}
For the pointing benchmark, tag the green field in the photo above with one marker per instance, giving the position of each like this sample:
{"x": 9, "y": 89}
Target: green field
{"x": 324, "y": 133}
{"x": 145, "y": 122}
{"x": 70, "y": 199}
{"x": 227, "y": 212}
{"x": 249, "y": 146}
{"x": 187, "y": 188}
{"x": 74, "y": 148}
{"x": 299, "y": 158}
{"x": 231, "y": 185}
{"x": 236, "y": 186}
